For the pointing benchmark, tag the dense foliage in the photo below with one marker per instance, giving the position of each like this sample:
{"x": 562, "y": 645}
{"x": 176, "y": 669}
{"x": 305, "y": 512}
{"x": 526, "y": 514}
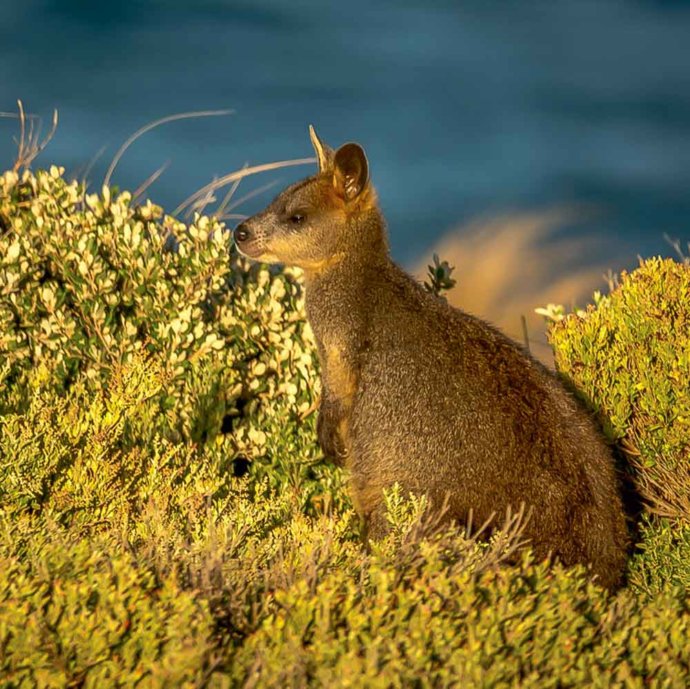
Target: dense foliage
{"x": 166, "y": 518}
{"x": 629, "y": 357}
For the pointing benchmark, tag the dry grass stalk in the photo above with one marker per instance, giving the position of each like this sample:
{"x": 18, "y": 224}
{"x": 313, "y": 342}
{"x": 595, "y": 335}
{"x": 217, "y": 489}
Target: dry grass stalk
{"x": 150, "y": 180}
{"x": 152, "y": 125}
{"x": 30, "y": 144}
{"x": 201, "y": 198}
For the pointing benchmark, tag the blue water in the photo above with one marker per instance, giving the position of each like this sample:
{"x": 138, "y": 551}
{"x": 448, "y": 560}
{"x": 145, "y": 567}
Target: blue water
{"x": 465, "y": 108}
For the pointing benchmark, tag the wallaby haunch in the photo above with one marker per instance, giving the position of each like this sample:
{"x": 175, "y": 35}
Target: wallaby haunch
{"x": 423, "y": 394}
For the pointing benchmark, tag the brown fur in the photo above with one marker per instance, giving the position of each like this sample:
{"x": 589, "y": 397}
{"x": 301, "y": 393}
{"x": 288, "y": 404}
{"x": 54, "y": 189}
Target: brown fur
{"x": 423, "y": 394}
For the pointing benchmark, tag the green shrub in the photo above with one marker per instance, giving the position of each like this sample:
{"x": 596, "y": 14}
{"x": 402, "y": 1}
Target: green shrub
{"x": 444, "y": 626}
{"x": 87, "y": 282}
{"x": 131, "y": 555}
{"x": 629, "y": 356}
{"x": 661, "y": 562}
{"x": 82, "y": 613}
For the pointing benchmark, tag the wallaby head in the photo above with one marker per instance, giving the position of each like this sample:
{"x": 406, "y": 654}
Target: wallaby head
{"x": 320, "y": 220}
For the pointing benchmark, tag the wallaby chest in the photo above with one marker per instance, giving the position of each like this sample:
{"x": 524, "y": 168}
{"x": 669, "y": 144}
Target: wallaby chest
{"x": 337, "y": 327}
{"x": 339, "y": 367}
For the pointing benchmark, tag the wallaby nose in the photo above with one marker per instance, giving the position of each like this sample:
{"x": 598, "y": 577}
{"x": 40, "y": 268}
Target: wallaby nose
{"x": 242, "y": 233}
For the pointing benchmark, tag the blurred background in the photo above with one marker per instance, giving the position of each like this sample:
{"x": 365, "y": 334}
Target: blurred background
{"x": 534, "y": 144}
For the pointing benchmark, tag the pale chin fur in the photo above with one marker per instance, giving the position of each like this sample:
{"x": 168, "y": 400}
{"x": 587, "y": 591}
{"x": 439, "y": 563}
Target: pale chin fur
{"x": 261, "y": 258}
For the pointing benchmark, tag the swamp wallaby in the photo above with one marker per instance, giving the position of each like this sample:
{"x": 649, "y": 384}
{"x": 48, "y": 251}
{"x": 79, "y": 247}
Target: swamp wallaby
{"x": 423, "y": 394}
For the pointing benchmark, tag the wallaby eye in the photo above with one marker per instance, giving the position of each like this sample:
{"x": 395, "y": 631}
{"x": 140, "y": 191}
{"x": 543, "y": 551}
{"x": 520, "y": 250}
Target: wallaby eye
{"x": 297, "y": 218}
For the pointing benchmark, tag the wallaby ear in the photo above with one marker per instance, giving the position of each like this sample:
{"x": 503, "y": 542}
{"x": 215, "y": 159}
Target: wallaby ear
{"x": 351, "y": 171}
{"x": 324, "y": 153}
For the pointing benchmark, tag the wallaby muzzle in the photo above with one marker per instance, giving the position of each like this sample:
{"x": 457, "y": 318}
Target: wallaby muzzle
{"x": 246, "y": 241}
